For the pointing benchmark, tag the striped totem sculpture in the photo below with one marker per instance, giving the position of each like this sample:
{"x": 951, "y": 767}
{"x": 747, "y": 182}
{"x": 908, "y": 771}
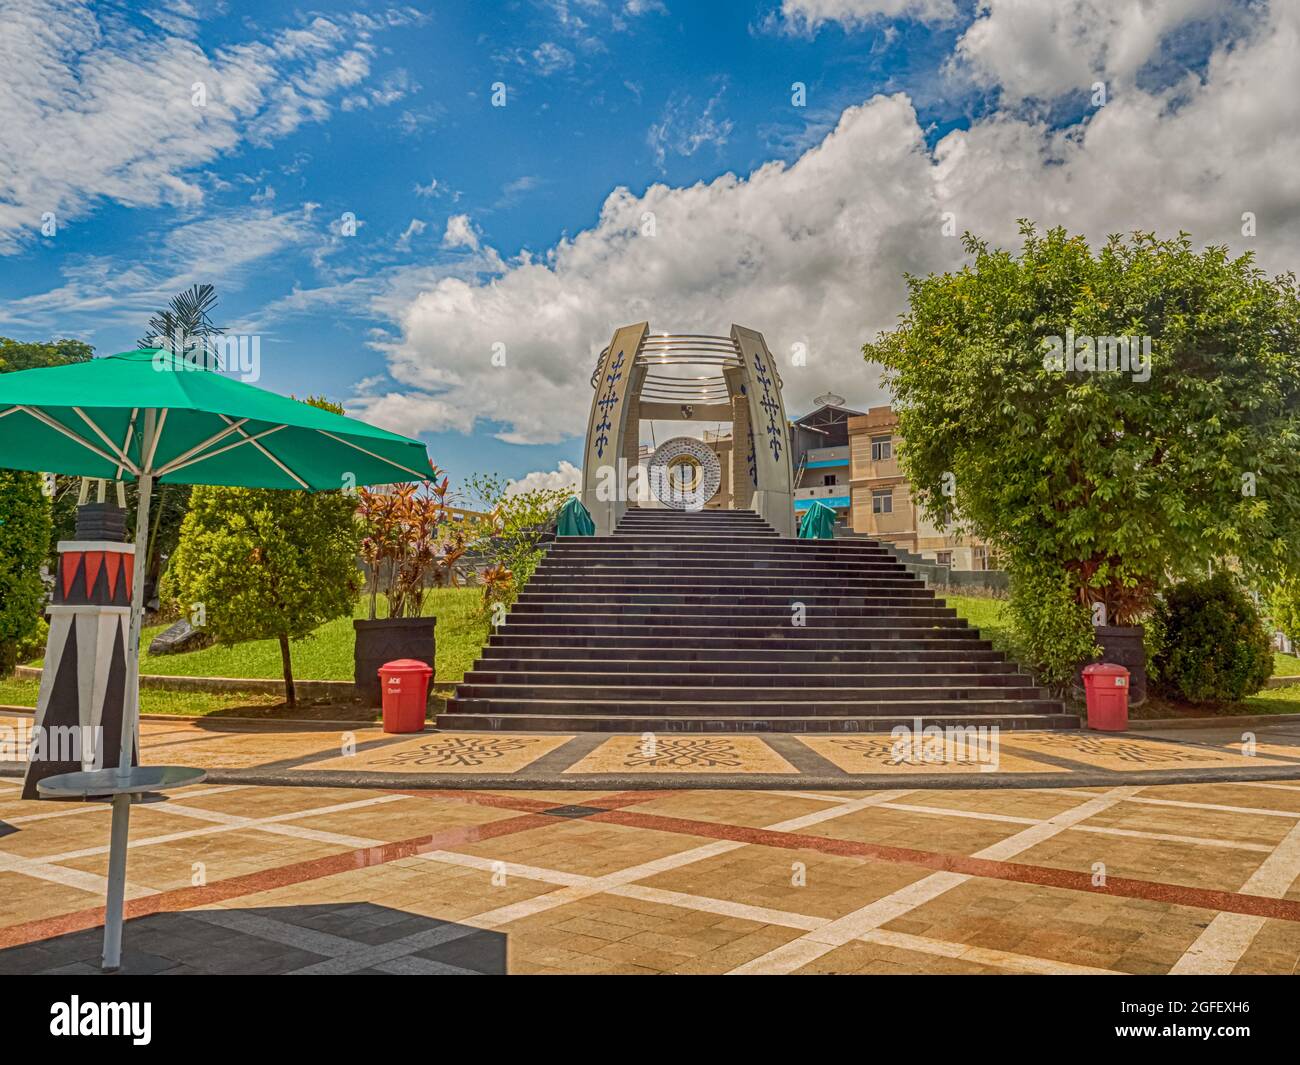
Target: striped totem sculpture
{"x": 78, "y": 724}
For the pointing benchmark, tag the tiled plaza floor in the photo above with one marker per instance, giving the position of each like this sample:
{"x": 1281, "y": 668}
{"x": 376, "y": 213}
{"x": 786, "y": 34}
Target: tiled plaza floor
{"x": 1193, "y": 878}
{"x": 365, "y": 756}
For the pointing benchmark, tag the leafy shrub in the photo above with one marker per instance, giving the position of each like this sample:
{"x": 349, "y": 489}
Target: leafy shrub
{"x": 1216, "y": 648}
{"x": 24, "y": 540}
{"x": 1052, "y": 629}
{"x": 1284, "y": 607}
{"x": 32, "y": 646}
{"x": 512, "y": 532}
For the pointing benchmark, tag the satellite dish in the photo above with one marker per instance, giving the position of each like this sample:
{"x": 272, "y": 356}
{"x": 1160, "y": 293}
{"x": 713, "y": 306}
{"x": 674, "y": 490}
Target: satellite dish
{"x": 830, "y": 399}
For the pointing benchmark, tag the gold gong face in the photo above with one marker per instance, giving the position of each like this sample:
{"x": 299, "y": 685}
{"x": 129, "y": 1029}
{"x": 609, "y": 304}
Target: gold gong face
{"x": 684, "y": 474}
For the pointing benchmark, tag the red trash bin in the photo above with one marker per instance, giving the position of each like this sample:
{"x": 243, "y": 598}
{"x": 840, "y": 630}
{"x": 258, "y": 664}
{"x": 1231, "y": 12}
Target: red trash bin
{"x": 405, "y": 686}
{"x": 1106, "y": 688}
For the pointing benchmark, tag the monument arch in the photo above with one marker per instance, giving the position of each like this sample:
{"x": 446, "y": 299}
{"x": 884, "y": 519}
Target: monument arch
{"x": 645, "y": 375}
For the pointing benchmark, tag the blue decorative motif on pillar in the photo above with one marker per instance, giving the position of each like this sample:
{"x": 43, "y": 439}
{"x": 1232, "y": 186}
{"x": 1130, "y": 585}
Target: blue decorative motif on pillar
{"x": 771, "y": 406}
{"x": 607, "y": 403}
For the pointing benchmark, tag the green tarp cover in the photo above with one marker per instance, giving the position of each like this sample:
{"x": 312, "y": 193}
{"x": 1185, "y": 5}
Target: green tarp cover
{"x": 818, "y": 523}
{"x": 575, "y": 520}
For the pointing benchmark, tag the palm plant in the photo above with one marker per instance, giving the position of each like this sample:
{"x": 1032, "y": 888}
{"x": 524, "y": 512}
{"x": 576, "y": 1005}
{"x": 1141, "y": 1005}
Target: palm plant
{"x": 188, "y": 316}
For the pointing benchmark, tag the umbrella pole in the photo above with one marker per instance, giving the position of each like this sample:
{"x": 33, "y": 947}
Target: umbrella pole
{"x": 131, "y": 709}
{"x": 117, "y": 844}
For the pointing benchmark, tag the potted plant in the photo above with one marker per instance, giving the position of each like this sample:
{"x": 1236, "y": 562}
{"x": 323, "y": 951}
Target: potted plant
{"x": 410, "y": 539}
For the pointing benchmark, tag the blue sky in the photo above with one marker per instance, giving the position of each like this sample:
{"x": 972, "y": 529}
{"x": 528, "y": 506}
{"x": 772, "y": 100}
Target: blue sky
{"x": 478, "y": 222}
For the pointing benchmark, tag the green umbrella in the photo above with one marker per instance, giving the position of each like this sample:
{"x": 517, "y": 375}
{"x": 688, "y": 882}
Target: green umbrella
{"x": 151, "y": 415}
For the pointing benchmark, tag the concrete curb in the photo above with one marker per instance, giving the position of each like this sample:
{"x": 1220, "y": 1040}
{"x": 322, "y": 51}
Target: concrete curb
{"x": 306, "y": 689}
{"x": 268, "y": 723}
{"x": 1156, "y": 723}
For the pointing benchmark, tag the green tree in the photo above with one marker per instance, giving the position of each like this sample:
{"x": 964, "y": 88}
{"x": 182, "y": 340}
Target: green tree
{"x": 24, "y": 541}
{"x": 20, "y": 355}
{"x": 1123, "y": 481}
{"x": 268, "y": 564}
{"x": 26, "y": 527}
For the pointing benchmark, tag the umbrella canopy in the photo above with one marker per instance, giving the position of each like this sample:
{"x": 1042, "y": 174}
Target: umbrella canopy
{"x": 88, "y": 419}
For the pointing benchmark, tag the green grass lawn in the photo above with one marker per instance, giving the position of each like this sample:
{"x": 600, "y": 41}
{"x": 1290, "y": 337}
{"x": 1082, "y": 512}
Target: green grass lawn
{"x": 327, "y": 653}
{"x": 1285, "y": 665}
{"x": 17, "y": 692}
{"x": 992, "y": 618}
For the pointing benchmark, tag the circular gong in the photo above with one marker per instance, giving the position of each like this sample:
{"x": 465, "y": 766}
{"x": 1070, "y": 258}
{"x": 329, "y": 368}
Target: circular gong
{"x": 684, "y": 473}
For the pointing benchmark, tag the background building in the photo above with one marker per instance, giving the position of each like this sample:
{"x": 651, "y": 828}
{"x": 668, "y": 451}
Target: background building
{"x": 819, "y": 450}
{"x": 848, "y": 460}
{"x": 881, "y": 498}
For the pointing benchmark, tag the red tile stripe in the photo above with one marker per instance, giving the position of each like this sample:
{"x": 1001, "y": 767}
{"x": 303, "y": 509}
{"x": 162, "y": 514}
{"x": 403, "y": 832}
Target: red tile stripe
{"x": 614, "y": 805}
{"x": 269, "y": 879}
{"x": 1043, "y": 875}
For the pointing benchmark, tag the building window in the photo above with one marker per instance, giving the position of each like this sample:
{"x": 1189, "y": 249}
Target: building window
{"x": 882, "y": 448}
{"x": 944, "y": 558}
{"x": 979, "y": 558}
{"x": 882, "y": 501}
{"x": 829, "y": 479}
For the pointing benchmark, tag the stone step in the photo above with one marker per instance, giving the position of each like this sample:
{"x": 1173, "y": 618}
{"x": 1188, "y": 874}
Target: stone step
{"x": 669, "y": 628}
{"x": 736, "y": 598}
{"x": 723, "y": 545}
{"x": 687, "y": 568}
{"x": 703, "y": 707}
{"x": 683, "y": 622}
{"x": 615, "y": 651}
{"x": 744, "y": 671}
{"x": 785, "y": 551}
{"x": 796, "y": 700}
{"x": 779, "y": 613}
{"x": 662, "y": 553}
{"x": 740, "y": 539}
{"x": 706, "y": 581}
{"x": 775, "y": 642}
{"x": 707, "y": 678}
{"x": 743, "y": 722}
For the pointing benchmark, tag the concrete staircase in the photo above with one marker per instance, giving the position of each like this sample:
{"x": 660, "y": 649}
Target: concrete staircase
{"x": 687, "y": 622}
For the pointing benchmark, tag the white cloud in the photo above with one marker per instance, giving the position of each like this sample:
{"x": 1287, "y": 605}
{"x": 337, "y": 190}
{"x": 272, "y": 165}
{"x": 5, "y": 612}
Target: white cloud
{"x": 551, "y": 58}
{"x": 413, "y": 229}
{"x": 567, "y": 476}
{"x": 221, "y": 249}
{"x": 1035, "y": 49}
{"x": 93, "y": 108}
{"x": 460, "y": 233}
{"x": 807, "y": 16}
{"x": 684, "y": 131}
{"x": 814, "y": 251}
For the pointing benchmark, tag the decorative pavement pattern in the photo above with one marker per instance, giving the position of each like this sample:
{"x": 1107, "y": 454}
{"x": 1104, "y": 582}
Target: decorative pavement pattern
{"x": 276, "y": 753}
{"x": 1199, "y": 878}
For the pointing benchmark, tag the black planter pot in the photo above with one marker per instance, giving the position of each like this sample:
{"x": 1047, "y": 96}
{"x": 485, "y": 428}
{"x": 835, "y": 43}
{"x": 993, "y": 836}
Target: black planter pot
{"x": 384, "y": 640}
{"x": 1122, "y": 645}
